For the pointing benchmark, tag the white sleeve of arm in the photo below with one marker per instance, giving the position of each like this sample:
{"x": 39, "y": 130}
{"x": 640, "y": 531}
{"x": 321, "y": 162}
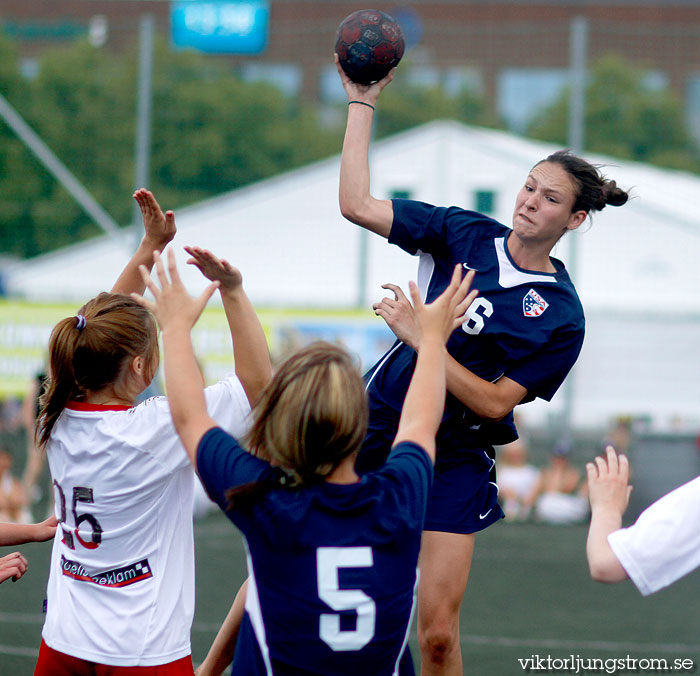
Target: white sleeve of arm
{"x": 664, "y": 543}
{"x": 228, "y": 404}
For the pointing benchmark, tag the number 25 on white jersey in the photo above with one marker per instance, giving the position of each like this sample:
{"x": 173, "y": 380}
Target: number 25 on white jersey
{"x": 80, "y": 494}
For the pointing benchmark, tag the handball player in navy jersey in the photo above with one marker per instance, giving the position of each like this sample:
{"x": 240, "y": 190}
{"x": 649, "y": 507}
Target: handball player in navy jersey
{"x": 332, "y": 557}
{"x": 521, "y": 337}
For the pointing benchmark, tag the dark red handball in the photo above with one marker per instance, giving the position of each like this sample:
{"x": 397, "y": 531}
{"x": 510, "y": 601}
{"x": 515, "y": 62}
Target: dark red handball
{"x": 369, "y": 43}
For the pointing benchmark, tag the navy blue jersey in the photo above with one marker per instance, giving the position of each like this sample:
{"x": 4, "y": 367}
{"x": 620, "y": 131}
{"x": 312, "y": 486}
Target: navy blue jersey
{"x": 525, "y": 325}
{"x": 332, "y": 567}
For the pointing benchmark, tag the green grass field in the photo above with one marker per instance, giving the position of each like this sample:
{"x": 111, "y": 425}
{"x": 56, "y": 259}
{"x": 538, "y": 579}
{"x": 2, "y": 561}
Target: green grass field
{"x": 529, "y": 594}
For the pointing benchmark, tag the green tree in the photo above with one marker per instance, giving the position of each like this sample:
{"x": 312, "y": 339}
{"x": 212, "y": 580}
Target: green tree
{"x": 212, "y": 132}
{"x": 624, "y": 117}
{"x": 82, "y": 105}
{"x": 20, "y": 175}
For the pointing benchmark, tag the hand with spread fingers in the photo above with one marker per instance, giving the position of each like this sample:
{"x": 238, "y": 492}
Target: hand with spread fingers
{"x": 173, "y": 306}
{"x": 441, "y": 317}
{"x": 608, "y": 482}
{"x": 400, "y": 315}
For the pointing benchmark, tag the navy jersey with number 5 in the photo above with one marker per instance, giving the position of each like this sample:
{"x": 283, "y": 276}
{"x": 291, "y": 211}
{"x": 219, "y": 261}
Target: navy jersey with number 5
{"x": 332, "y": 568}
{"x": 525, "y": 325}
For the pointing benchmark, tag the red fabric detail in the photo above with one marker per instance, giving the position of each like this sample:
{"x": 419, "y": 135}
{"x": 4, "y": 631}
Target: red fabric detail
{"x": 85, "y": 406}
{"x": 54, "y": 663}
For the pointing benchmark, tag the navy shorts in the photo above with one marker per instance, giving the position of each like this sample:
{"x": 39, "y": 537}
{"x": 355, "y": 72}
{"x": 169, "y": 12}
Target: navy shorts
{"x": 464, "y": 494}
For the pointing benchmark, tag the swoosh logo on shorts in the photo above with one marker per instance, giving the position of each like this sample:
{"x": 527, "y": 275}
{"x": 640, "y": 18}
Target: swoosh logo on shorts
{"x": 483, "y": 516}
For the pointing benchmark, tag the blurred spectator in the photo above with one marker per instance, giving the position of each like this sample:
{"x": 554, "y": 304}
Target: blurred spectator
{"x": 13, "y": 499}
{"x": 518, "y": 480}
{"x": 619, "y": 435}
{"x": 10, "y": 415}
{"x": 35, "y": 458}
{"x": 563, "y": 495}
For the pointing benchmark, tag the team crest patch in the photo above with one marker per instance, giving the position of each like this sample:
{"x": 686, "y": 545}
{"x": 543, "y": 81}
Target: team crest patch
{"x": 533, "y": 304}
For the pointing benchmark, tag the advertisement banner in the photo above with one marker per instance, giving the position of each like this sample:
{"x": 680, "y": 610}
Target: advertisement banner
{"x": 25, "y": 329}
{"x": 234, "y": 27}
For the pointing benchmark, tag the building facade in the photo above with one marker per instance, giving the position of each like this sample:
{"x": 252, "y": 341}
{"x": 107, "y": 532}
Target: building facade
{"x": 514, "y": 52}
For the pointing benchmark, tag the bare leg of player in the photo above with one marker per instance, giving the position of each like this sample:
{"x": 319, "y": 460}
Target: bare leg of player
{"x": 445, "y": 561}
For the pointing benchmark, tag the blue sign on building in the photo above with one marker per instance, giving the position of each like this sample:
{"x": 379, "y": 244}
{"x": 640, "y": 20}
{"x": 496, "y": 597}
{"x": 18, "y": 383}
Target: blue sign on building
{"x": 233, "y": 27}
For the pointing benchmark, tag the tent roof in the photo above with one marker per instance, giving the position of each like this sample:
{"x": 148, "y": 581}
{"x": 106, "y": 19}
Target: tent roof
{"x": 287, "y": 236}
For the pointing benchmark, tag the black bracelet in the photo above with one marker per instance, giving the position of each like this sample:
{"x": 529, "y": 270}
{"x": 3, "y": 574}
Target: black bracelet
{"x": 362, "y": 103}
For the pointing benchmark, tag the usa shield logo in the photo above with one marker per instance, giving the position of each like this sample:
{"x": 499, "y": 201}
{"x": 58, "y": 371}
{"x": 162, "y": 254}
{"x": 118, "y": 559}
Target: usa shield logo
{"x": 533, "y": 304}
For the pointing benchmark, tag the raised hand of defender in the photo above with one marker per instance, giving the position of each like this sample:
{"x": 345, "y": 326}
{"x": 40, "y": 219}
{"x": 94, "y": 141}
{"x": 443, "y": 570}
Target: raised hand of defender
{"x": 172, "y": 305}
{"x": 215, "y": 269}
{"x": 441, "y": 317}
{"x": 608, "y": 482}
{"x": 159, "y": 227}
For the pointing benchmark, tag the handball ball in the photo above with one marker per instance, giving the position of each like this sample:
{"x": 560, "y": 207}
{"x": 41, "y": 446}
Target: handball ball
{"x": 369, "y": 43}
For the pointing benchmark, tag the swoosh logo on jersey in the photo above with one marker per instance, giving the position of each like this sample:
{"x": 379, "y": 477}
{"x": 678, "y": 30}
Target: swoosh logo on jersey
{"x": 467, "y": 267}
{"x": 483, "y": 516}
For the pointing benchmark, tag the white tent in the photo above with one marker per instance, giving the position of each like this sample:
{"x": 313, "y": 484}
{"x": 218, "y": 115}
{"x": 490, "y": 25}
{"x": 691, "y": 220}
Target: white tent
{"x": 634, "y": 267}
{"x": 295, "y": 249}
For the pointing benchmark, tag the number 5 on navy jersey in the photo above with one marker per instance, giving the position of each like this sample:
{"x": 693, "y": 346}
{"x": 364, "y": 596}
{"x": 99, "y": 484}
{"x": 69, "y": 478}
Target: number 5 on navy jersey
{"x": 328, "y": 561}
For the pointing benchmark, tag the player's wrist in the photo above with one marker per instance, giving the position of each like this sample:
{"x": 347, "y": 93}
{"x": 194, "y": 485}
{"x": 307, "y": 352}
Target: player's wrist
{"x": 175, "y": 329}
{"x": 606, "y": 516}
{"x": 430, "y": 341}
{"x": 363, "y": 104}
{"x": 154, "y": 243}
{"x": 412, "y": 341}
{"x": 233, "y": 293}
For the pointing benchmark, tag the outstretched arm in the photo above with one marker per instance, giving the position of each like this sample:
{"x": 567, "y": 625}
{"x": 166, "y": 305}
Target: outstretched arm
{"x": 609, "y": 493}
{"x": 250, "y": 352}
{"x": 159, "y": 231}
{"x": 15, "y": 565}
{"x": 356, "y": 202}
{"x": 425, "y": 400}
{"x": 491, "y": 401}
{"x": 177, "y": 312}
{"x": 21, "y": 533}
